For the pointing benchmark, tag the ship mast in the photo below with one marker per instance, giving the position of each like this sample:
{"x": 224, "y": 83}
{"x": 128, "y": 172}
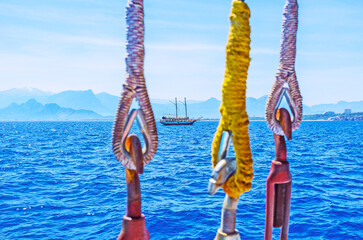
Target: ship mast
{"x": 176, "y": 107}
{"x": 185, "y": 106}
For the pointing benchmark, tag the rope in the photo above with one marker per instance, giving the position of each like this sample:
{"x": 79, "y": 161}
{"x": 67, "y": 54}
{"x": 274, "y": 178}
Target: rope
{"x": 233, "y": 108}
{"x": 286, "y": 71}
{"x": 134, "y": 86}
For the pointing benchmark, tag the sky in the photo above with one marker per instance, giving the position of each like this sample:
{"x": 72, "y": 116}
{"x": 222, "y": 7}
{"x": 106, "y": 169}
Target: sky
{"x": 58, "y": 45}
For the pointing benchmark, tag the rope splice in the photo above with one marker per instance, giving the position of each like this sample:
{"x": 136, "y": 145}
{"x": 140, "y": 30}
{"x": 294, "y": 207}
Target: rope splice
{"x": 134, "y": 87}
{"x": 286, "y": 74}
{"x": 233, "y": 174}
{"x": 233, "y": 108}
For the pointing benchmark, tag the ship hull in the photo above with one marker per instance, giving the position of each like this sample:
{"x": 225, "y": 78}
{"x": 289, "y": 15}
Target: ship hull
{"x": 178, "y": 123}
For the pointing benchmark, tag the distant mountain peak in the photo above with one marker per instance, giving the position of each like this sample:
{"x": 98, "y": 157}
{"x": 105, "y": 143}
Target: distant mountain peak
{"x": 212, "y": 99}
{"x": 31, "y": 101}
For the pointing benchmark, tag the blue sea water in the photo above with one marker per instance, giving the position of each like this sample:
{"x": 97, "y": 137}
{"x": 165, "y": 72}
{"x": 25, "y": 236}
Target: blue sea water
{"x": 59, "y": 180}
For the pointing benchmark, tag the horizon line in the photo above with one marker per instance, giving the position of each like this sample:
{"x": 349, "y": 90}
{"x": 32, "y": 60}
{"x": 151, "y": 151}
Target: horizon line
{"x": 162, "y": 99}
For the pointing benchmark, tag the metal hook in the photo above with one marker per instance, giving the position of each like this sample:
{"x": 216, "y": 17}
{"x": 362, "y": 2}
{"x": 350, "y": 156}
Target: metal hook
{"x": 278, "y": 184}
{"x": 225, "y": 166}
{"x": 224, "y": 169}
{"x": 144, "y": 130}
{"x": 273, "y": 122}
{"x": 133, "y": 225}
{"x": 285, "y": 92}
{"x": 224, "y": 146}
{"x": 221, "y": 172}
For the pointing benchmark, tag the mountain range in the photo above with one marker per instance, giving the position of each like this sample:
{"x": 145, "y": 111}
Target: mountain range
{"x": 35, "y": 104}
{"x": 33, "y": 110}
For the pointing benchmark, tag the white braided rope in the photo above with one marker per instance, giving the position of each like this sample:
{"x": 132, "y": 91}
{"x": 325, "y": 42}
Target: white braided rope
{"x": 286, "y": 71}
{"x": 134, "y": 86}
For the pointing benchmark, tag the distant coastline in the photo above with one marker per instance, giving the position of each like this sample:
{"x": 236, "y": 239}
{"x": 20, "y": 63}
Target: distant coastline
{"x": 111, "y": 119}
{"x": 332, "y": 116}
{"x": 29, "y": 104}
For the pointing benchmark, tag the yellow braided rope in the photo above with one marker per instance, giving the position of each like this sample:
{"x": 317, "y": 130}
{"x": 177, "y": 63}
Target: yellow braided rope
{"x": 233, "y": 108}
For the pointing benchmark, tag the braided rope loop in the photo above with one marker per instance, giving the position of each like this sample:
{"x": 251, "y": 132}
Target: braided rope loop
{"x": 233, "y": 108}
{"x": 134, "y": 86}
{"x": 286, "y": 71}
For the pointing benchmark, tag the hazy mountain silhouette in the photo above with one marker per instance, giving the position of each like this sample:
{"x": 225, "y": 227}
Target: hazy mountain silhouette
{"x": 339, "y": 107}
{"x": 33, "y": 110}
{"x": 21, "y": 95}
{"x": 78, "y": 100}
{"x": 106, "y": 104}
{"x": 109, "y": 102}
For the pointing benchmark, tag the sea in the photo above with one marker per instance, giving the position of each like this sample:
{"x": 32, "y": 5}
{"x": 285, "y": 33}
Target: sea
{"x": 60, "y": 180}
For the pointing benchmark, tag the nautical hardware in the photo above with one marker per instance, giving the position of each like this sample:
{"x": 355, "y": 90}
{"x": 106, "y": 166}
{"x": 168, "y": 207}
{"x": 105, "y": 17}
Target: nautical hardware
{"x": 278, "y": 185}
{"x": 224, "y": 169}
{"x": 127, "y": 148}
{"x": 233, "y": 107}
{"x": 134, "y": 87}
{"x": 221, "y": 172}
{"x": 133, "y": 224}
{"x": 233, "y": 174}
{"x": 286, "y": 74}
{"x": 144, "y": 130}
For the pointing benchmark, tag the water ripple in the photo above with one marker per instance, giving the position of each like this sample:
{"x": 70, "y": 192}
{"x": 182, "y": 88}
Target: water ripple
{"x": 59, "y": 180}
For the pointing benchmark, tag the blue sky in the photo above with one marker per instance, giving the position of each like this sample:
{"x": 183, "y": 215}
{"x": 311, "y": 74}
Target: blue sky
{"x": 57, "y": 45}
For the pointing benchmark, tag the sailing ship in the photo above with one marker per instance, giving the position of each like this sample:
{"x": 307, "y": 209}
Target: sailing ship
{"x": 178, "y": 120}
